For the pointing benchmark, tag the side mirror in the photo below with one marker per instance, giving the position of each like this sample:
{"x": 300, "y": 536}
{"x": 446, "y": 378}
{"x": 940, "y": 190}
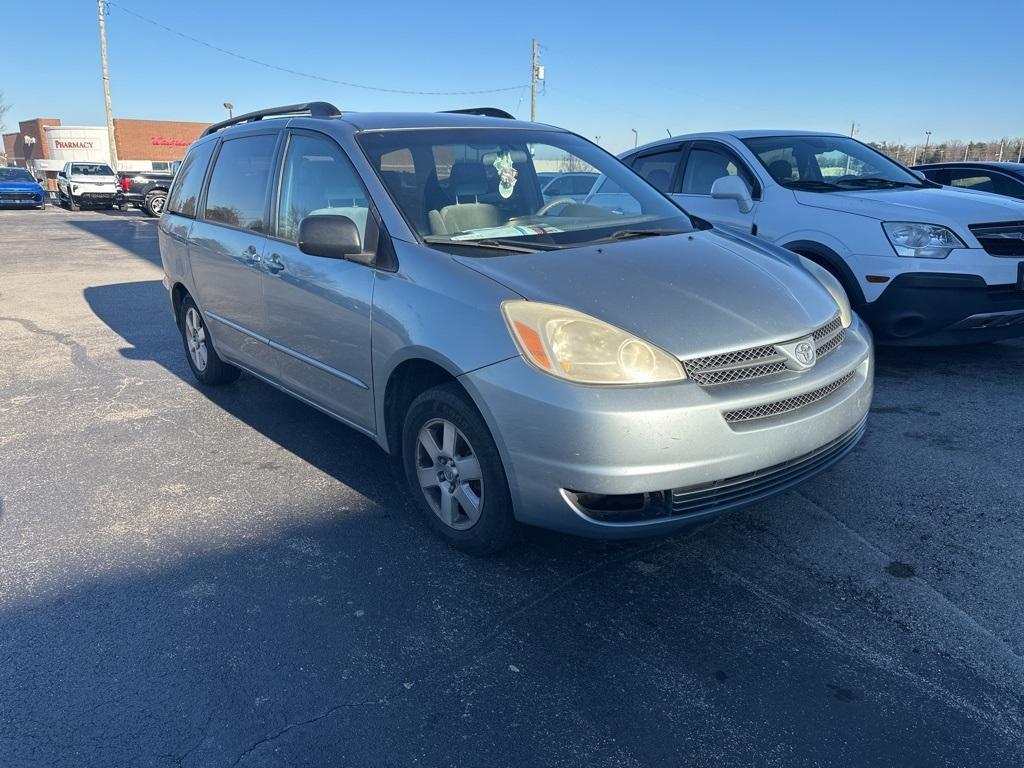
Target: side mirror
{"x": 919, "y": 174}
{"x": 333, "y": 237}
{"x": 733, "y": 188}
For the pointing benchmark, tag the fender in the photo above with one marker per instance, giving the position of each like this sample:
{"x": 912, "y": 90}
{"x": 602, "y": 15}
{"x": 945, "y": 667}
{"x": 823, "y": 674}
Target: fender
{"x": 833, "y": 262}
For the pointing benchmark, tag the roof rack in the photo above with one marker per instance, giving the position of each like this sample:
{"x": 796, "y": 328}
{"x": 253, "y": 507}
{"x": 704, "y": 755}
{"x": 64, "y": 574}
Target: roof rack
{"x": 482, "y": 111}
{"x": 312, "y": 108}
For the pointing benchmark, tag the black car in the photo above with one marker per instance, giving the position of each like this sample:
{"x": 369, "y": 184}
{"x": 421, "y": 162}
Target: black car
{"x": 999, "y": 178}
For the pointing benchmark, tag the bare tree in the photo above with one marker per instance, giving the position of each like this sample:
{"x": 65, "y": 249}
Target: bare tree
{"x": 4, "y": 107}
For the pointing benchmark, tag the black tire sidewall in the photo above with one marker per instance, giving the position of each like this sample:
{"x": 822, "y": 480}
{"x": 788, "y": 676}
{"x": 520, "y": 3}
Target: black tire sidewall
{"x": 496, "y": 527}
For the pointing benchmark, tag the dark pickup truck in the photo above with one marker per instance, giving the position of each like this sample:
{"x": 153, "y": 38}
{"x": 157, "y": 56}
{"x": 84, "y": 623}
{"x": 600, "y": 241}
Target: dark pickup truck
{"x": 144, "y": 189}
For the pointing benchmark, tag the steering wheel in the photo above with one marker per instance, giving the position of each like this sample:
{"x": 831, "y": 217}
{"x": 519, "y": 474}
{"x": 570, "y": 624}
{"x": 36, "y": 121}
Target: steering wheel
{"x": 543, "y": 210}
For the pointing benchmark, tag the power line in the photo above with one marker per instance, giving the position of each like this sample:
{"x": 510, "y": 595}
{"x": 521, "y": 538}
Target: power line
{"x": 297, "y": 73}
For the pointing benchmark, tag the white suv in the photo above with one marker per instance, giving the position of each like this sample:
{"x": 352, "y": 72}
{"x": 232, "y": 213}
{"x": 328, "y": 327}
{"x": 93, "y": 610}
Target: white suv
{"x": 80, "y": 184}
{"x": 922, "y": 263}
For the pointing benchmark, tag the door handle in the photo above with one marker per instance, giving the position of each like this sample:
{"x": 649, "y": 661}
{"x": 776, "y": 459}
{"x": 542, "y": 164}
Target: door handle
{"x": 250, "y": 255}
{"x": 274, "y": 264}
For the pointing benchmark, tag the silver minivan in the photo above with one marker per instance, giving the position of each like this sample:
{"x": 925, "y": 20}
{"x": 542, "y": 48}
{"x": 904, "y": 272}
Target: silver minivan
{"x": 549, "y": 362}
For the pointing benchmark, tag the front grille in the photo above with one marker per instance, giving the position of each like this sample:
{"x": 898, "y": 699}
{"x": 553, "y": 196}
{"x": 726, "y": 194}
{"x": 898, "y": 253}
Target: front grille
{"x": 757, "y": 362}
{"x": 789, "y": 404}
{"x": 17, "y": 196}
{"x": 1004, "y": 238}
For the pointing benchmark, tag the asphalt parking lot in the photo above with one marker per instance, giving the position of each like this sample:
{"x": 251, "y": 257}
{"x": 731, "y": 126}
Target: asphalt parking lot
{"x": 226, "y": 577}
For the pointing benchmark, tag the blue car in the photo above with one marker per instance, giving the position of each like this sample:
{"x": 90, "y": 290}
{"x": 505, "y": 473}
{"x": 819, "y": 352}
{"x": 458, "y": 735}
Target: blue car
{"x": 19, "y": 190}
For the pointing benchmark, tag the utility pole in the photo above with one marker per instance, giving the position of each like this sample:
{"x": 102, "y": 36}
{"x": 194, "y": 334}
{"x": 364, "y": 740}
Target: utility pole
{"x": 1020, "y": 151}
{"x": 1001, "y": 142}
{"x": 106, "y": 85}
{"x": 533, "y": 81}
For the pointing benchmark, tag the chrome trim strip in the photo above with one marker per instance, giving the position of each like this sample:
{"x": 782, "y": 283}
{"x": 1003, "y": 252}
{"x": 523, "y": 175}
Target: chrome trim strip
{"x": 289, "y": 351}
{"x": 317, "y": 364}
{"x": 236, "y": 326}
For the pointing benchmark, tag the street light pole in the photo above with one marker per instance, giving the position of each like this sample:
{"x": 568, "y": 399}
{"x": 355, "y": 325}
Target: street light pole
{"x": 229, "y": 107}
{"x": 106, "y": 85}
{"x": 636, "y": 137}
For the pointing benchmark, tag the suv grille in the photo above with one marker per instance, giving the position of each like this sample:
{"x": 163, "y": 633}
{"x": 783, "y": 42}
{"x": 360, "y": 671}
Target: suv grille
{"x": 1002, "y": 239}
{"x": 756, "y": 362}
{"x": 789, "y": 404}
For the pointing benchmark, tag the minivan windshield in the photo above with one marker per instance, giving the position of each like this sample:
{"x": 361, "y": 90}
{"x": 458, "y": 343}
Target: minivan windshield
{"x": 828, "y": 164}
{"x": 91, "y": 169}
{"x": 15, "y": 174}
{"x": 485, "y": 187}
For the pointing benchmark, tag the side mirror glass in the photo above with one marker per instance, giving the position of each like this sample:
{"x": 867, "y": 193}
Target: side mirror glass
{"x": 333, "y": 237}
{"x": 733, "y": 188}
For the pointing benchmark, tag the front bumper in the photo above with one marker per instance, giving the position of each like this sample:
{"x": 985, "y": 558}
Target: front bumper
{"x": 931, "y": 309}
{"x": 561, "y": 442}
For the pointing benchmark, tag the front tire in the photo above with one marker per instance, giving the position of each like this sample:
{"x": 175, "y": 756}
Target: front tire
{"x": 203, "y": 359}
{"x": 453, "y": 468}
{"x": 72, "y": 205}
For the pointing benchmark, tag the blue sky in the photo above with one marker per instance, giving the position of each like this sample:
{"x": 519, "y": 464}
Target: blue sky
{"x": 681, "y": 66}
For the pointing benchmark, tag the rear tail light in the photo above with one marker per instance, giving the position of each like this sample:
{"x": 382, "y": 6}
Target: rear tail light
{"x": 126, "y": 183}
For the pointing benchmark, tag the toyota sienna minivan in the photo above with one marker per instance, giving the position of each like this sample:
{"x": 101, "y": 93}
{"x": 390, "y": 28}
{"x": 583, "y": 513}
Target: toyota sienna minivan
{"x": 529, "y": 361}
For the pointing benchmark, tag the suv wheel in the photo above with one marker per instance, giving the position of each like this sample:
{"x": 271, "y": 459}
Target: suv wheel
{"x": 154, "y": 204}
{"x": 453, "y": 469}
{"x": 202, "y": 358}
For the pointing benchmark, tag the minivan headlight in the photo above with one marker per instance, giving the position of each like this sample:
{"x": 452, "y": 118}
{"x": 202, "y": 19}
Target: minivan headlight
{"x": 577, "y": 347}
{"x": 921, "y": 241}
{"x": 831, "y": 284}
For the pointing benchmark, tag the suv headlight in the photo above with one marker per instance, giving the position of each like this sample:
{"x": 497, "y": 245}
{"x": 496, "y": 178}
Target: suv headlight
{"x": 833, "y": 286}
{"x": 921, "y": 241}
{"x": 577, "y": 347}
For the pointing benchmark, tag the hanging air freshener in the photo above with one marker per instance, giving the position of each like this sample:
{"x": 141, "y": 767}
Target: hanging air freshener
{"x": 506, "y": 174}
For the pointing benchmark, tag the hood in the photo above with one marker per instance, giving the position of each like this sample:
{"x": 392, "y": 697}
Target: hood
{"x": 20, "y": 186}
{"x": 946, "y": 205}
{"x": 691, "y": 295}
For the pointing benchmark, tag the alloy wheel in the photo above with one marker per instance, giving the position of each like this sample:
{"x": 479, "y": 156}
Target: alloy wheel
{"x": 195, "y": 338}
{"x": 449, "y": 474}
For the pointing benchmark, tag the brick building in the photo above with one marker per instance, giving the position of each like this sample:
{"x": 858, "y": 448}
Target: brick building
{"x": 44, "y": 144}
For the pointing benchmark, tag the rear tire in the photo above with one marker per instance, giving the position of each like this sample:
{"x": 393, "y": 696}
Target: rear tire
{"x": 453, "y": 468}
{"x": 203, "y": 359}
{"x": 155, "y": 202}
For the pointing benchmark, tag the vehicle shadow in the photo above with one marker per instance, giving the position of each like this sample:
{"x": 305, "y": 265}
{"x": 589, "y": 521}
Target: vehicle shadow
{"x": 139, "y": 313}
{"x": 135, "y": 234}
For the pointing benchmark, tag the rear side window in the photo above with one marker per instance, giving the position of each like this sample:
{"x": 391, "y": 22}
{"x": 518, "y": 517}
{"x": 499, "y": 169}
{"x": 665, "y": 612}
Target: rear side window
{"x": 658, "y": 168}
{"x": 318, "y": 179}
{"x": 985, "y": 181}
{"x": 237, "y": 194}
{"x": 188, "y": 182}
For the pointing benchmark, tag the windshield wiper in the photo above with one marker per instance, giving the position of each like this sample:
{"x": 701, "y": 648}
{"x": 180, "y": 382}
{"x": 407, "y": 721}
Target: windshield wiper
{"x": 875, "y": 181}
{"x": 810, "y": 184}
{"x": 489, "y": 244}
{"x": 626, "y": 234}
